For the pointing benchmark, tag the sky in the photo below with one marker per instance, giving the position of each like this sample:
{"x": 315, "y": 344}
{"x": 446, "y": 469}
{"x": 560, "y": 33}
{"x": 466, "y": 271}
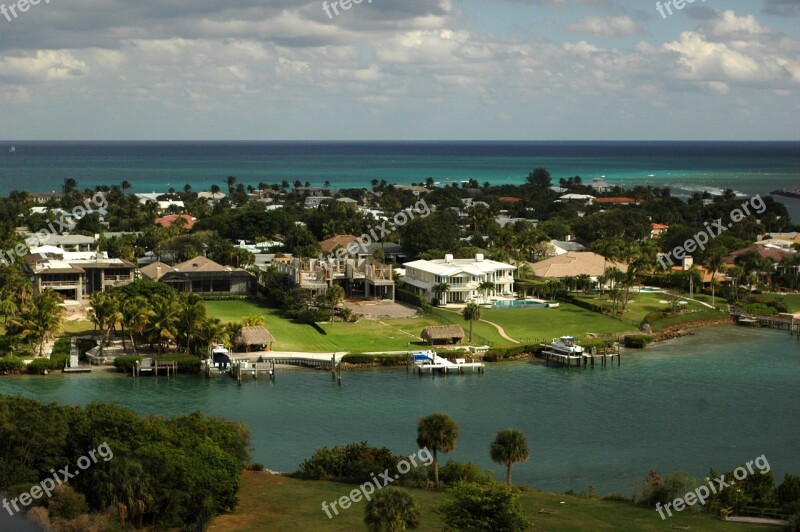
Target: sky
{"x": 400, "y": 70}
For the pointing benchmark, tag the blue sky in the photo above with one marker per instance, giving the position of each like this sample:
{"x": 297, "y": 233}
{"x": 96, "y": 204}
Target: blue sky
{"x": 401, "y": 69}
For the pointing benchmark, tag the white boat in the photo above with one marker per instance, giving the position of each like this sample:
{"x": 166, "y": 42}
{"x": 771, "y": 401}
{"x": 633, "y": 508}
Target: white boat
{"x": 13, "y": 149}
{"x": 566, "y": 346}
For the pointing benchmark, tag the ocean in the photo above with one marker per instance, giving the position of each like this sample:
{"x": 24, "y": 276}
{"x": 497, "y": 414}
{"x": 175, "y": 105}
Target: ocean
{"x": 747, "y": 167}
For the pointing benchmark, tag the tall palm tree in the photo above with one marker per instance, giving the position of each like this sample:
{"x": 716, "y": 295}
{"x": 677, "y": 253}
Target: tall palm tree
{"x": 437, "y": 432}
{"x": 471, "y": 313}
{"x": 714, "y": 262}
{"x": 104, "y": 314}
{"x": 230, "y": 180}
{"x": 136, "y": 314}
{"x": 391, "y": 510}
{"x": 191, "y": 320}
{"x": 510, "y": 446}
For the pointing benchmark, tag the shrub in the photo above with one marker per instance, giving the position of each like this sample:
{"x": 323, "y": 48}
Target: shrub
{"x": 760, "y": 309}
{"x": 255, "y": 467}
{"x": 479, "y": 507}
{"x": 383, "y": 360}
{"x": 637, "y": 341}
{"x": 348, "y": 463}
{"x": 452, "y": 472}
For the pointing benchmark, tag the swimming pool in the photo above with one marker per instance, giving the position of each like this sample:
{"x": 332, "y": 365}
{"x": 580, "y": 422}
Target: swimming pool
{"x": 517, "y": 304}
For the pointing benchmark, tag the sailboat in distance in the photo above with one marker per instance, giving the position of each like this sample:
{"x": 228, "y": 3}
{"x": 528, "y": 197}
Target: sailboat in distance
{"x": 13, "y": 149}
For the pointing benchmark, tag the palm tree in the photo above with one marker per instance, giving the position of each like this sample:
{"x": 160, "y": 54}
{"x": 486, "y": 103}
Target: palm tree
{"x": 192, "y": 318}
{"x": 439, "y": 290}
{"x": 136, "y": 314}
{"x": 104, "y": 314}
{"x": 231, "y": 180}
{"x": 510, "y": 446}
{"x": 471, "y": 313}
{"x": 484, "y": 288}
{"x": 437, "y": 432}
{"x": 334, "y": 297}
{"x": 162, "y": 327}
{"x": 42, "y": 319}
{"x": 714, "y": 262}
{"x": 391, "y": 510}
{"x": 214, "y": 191}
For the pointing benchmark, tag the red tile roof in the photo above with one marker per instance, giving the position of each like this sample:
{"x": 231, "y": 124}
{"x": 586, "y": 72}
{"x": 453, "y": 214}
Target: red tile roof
{"x": 167, "y": 221}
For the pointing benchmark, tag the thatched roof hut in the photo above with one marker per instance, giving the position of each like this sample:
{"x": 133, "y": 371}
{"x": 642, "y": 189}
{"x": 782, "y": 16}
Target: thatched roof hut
{"x": 443, "y": 333}
{"x": 248, "y": 337}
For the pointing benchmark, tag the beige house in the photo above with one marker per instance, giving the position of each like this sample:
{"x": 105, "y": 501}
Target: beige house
{"x": 204, "y": 277}
{"x": 573, "y": 264}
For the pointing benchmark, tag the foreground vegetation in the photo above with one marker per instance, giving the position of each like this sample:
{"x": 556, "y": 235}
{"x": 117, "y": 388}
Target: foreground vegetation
{"x": 275, "y": 502}
{"x": 163, "y": 472}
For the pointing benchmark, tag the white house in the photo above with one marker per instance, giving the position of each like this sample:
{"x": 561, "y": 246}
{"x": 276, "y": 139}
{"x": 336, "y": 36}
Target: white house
{"x": 462, "y": 276}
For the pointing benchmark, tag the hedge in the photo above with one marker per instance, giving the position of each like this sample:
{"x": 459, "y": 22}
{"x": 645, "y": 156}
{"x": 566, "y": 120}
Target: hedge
{"x": 496, "y": 354}
{"x": 11, "y": 364}
{"x": 54, "y": 363}
{"x": 186, "y": 363}
{"x": 127, "y": 363}
{"x": 382, "y": 360}
{"x": 408, "y": 297}
{"x": 689, "y": 317}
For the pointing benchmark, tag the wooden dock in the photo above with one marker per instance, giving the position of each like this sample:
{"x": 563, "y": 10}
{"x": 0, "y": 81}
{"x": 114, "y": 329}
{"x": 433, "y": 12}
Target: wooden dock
{"x": 584, "y": 359}
{"x": 268, "y": 366}
{"x": 153, "y": 367}
{"x": 785, "y": 322}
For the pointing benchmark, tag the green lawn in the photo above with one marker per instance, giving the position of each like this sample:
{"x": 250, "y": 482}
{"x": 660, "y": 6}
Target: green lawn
{"x": 366, "y": 335}
{"x": 270, "y": 502}
{"x": 534, "y": 324}
{"x": 643, "y": 304}
{"x": 792, "y": 300}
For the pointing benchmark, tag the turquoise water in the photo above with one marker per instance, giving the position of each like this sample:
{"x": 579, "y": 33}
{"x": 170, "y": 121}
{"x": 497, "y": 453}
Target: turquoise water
{"x": 720, "y": 398}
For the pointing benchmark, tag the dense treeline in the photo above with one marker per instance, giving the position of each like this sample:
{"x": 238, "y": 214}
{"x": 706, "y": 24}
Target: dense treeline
{"x": 164, "y": 472}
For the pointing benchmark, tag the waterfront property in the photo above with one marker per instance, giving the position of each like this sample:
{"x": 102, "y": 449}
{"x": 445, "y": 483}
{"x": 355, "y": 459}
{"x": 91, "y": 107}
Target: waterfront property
{"x": 358, "y": 277}
{"x": 76, "y": 275}
{"x": 203, "y": 277}
{"x": 254, "y": 337}
{"x": 463, "y": 278}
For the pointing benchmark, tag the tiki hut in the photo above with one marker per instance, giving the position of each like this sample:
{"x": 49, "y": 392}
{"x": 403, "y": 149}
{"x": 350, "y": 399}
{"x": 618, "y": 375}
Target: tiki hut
{"x": 249, "y": 337}
{"x": 443, "y": 333}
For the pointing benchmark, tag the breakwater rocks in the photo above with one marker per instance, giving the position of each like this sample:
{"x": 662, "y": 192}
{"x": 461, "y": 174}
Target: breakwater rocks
{"x": 787, "y": 192}
{"x": 681, "y": 329}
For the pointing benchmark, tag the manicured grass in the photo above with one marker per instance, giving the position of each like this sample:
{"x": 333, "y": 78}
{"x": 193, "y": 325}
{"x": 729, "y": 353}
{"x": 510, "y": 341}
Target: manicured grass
{"x": 271, "y": 502}
{"x": 531, "y": 324}
{"x": 366, "y": 335}
{"x": 792, "y": 300}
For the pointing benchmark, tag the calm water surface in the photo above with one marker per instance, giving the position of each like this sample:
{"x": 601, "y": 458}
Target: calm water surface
{"x": 719, "y": 398}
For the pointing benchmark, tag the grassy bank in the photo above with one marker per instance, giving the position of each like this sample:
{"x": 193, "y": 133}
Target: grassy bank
{"x": 270, "y": 502}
